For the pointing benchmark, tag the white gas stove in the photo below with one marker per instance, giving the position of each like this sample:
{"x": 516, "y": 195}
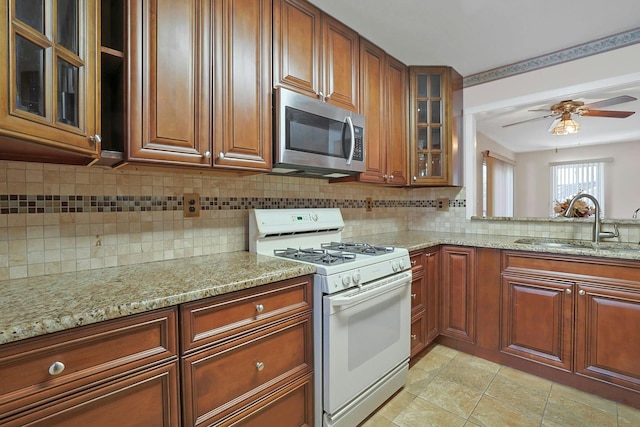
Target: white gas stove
{"x": 314, "y": 236}
{"x": 361, "y": 314}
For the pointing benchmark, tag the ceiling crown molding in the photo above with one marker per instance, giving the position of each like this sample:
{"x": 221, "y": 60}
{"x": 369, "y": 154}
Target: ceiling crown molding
{"x": 595, "y": 47}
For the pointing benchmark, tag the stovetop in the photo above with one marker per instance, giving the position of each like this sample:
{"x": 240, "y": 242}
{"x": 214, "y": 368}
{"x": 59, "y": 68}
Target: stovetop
{"x": 316, "y": 256}
{"x": 358, "y": 248}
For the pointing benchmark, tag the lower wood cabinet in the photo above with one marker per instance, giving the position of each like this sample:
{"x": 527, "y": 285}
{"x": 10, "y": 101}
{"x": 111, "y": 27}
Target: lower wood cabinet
{"x": 94, "y": 375}
{"x": 248, "y": 357}
{"x": 425, "y": 301}
{"x": 458, "y": 277}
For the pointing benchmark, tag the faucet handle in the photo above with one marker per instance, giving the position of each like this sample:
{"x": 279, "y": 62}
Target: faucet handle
{"x": 616, "y": 232}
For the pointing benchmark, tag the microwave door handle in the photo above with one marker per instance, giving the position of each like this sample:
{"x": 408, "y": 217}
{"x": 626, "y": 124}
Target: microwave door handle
{"x": 353, "y": 140}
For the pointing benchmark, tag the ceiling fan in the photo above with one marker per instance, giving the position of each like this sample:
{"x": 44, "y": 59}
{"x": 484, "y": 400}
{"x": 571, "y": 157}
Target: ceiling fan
{"x": 562, "y": 113}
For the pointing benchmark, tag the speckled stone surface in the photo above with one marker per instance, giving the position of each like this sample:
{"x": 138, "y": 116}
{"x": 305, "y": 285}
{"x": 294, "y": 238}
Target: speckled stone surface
{"x": 415, "y": 240}
{"x": 40, "y": 305}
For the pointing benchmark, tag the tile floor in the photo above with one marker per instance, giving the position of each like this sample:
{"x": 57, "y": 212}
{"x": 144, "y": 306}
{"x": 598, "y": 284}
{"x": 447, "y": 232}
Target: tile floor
{"x": 448, "y": 388}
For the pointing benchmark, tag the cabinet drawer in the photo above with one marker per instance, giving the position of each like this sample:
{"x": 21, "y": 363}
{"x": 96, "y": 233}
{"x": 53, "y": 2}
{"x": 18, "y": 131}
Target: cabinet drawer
{"x": 224, "y": 378}
{"x": 417, "y": 263}
{"x": 218, "y": 318}
{"x": 147, "y": 398}
{"x": 290, "y": 406}
{"x": 418, "y": 328}
{"x": 90, "y": 355}
{"x": 418, "y": 295}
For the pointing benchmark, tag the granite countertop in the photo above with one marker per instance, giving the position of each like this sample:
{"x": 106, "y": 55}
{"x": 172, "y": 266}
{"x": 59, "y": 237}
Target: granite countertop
{"x": 39, "y": 305}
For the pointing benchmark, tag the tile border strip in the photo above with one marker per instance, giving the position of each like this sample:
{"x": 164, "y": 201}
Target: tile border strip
{"x": 595, "y": 47}
{"x": 41, "y": 204}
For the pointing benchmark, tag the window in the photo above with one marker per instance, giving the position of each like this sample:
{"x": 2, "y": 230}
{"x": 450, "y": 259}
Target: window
{"x": 497, "y": 185}
{"x": 571, "y": 178}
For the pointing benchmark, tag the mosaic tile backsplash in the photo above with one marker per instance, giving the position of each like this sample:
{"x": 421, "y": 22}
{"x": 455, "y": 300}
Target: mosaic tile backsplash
{"x": 56, "y": 218}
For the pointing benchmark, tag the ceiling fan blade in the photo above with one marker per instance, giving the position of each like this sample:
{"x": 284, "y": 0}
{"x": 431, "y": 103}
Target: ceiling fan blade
{"x": 540, "y": 109}
{"x": 610, "y": 101}
{"x": 530, "y": 120}
{"x": 605, "y": 113}
{"x": 553, "y": 124}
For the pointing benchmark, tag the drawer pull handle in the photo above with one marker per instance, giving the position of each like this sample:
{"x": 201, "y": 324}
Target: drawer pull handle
{"x": 56, "y": 368}
{"x": 568, "y": 291}
{"x": 259, "y": 366}
{"x": 413, "y": 296}
{"x": 259, "y": 308}
{"x": 413, "y": 262}
{"x": 581, "y": 292}
{"x": 413, "y": 337}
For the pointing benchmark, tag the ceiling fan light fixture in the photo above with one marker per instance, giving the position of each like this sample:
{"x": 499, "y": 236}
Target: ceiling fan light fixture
{"x": 566, "y": 126}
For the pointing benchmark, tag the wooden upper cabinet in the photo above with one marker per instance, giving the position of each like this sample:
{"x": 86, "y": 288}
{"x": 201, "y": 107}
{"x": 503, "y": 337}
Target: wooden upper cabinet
{"x": 435, "y": 128}
{"x": 169, "y": 78}
{"x": 50, "y": 81}
{"x": 242, "y": 64}
{"x": 383, "y": 100}
{"x": 315, "y": 54}
{"x": 200, "y": 92}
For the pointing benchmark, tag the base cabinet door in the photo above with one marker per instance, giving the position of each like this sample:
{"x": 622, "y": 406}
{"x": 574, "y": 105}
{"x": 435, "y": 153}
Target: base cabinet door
{"x": 607, "y": 320}
{"x": 537, "y": 319}
{"x": 458, "y": 292}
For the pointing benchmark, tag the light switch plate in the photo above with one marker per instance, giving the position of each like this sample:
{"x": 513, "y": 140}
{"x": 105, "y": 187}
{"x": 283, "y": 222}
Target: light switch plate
{"x": 368, "y": 204}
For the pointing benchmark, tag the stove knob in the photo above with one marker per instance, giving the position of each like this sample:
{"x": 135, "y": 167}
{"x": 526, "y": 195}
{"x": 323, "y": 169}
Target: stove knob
{"x": 356, "y": 277}
{"x": 314, "y": 217}
{"x": 395, "y": 266}
{"x": 401, "y": 264}
{"x": 345, "y": 281}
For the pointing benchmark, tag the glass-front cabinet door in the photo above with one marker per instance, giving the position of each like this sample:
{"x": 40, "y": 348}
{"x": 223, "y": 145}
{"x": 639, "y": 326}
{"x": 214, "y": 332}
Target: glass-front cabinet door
{"x": 50, "y": 73}
{"x": 435, "y": 129}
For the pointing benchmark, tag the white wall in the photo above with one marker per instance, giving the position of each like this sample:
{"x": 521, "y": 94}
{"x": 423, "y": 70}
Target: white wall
{"x": 616, "y": 67}
{"x": 622, "y": 178}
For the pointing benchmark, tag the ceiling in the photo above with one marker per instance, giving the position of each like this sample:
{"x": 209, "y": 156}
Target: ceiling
{"x": 474, "y": 36}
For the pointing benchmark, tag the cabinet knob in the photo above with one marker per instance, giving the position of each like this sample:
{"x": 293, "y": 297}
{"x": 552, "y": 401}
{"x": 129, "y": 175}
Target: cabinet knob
{"x": 384, "y": 176}
{"x": 581, "y": 292}
{"x": 414, "y": 262}
{"x": 96, "y": 139}
{"x": 221, "y": 155}
{"x": 206, "y": 155}
{"x": 56, "y": 368}
{"x": 320, "y": 95}
{"x": 413, "y": 296}
{"x": 390, "y": 177}
{"x": 567, "y": 291}
{"x": 413, "y": 337}
{"x": 259, "y": 366}
{"x": 415, "y": 178}
{"x": 259, "y": 308}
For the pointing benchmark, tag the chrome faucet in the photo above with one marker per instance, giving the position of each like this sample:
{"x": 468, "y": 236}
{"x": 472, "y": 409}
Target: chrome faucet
{"x": 635, "y": 214}
{"x": 597, "y": 225}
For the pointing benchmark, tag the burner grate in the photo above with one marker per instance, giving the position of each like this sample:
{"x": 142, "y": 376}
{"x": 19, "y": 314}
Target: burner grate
{"x": 316, "y": 256}
{"x": 358, "y": 248}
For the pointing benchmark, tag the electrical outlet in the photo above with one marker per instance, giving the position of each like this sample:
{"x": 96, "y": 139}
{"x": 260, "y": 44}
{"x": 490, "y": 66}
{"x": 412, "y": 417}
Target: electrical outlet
{"x": 442, "y": 204}
{"x": 191, "y": 205}
{"x": 368, "y": 204}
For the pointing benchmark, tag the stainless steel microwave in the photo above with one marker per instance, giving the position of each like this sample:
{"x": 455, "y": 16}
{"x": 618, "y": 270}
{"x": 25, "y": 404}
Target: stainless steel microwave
{"x": 316, "y": 139}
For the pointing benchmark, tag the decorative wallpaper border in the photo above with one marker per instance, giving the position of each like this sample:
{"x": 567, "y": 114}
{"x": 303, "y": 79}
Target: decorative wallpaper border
{"x": 580, "y": 51}
{"x": 37, "y": 204}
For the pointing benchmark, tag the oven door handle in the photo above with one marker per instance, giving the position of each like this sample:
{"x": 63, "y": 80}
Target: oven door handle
{"x": 372, "y": 290}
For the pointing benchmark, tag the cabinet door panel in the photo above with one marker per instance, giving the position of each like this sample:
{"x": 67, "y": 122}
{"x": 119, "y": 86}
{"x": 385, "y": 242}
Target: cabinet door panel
{"x": 537, "y": 320}
{"x": 396, "y": 119}
{"x": 169, "y": 81}
{"x": 296, "y": 49}
{"x": 458, "y": 293}
{"x": 341, "y": 64}
{"x": 432, "y": 297}
{"x": 243, "y": 84}
{"x": 607, "y": 322}
{"x": 372, "y": 95}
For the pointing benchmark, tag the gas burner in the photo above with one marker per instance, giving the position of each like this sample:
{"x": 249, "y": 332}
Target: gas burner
{"x": 359, "y": 248}
{"x": 316, "y": 256}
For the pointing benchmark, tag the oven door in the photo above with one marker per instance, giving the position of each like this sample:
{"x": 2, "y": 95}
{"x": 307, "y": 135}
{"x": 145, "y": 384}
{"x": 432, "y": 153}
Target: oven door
{"x": 366, "y": 334}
